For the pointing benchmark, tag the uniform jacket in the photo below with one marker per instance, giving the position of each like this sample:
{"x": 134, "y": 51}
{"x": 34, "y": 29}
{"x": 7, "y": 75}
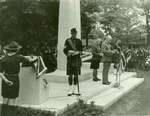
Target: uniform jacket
{"x": 107, "y": 52}
{"x": 73, "y": 62}
{"x": 96, "y": 49}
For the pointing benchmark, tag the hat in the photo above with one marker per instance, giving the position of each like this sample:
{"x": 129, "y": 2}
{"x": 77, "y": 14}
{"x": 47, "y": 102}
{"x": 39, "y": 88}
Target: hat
{"x": 73, "y": 30}
{"x": 12, "y": 46}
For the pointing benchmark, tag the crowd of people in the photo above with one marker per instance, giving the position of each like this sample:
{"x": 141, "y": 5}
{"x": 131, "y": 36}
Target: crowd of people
{"x": 137, "y": 58}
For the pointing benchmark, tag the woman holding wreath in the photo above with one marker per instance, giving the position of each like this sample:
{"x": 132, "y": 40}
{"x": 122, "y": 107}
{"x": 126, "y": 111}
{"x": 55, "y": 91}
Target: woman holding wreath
{"x": 9, "y": 72}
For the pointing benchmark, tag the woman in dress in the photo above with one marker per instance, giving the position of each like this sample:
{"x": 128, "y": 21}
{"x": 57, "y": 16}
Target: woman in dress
{"x": 9, "y": 72}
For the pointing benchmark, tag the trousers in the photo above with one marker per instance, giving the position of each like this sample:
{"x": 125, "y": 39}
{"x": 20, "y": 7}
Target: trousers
{"x": 73, "y": 80}
{"x": 106, "y": 67}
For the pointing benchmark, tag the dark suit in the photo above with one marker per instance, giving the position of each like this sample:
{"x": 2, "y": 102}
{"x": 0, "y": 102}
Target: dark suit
{"x": 73, "y": 62}
{"x": 106, "y": 59}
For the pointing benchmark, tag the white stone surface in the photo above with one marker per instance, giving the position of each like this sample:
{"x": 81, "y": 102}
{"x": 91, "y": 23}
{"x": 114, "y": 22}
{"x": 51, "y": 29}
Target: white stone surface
{"x": 32, "y": 90}
{"x": 112, "y": 95}
{"x": 58, "y": 98}
{"x": 33, "y": 94}
{"x": 103, "y": 95}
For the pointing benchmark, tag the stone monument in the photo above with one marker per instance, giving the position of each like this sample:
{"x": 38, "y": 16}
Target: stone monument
{"x": 32, "y": 90}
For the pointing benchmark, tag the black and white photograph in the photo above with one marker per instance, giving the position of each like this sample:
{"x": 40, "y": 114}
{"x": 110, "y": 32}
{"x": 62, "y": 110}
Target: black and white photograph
{"x": 74, "y": 57}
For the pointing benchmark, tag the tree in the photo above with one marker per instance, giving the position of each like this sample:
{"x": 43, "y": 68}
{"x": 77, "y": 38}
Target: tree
{"x": 88, "y": 7}
{"x": 145, "y": 5}
{"x": 29, "y": 22}
{"x": 115, "y": 17}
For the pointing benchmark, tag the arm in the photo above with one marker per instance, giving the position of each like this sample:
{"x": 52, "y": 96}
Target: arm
{"x": 6, "y": 80}
{"x": 27, "y": 60}
{"x": 2, "y": 75}
{"x": 107, "y": 51}
{"x": 95, "y": 51}
{"x": 65, "y": 50}
{"x": 79, "y": 48}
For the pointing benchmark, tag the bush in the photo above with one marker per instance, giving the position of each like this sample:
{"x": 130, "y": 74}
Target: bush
{"x": 31, "y": 23}
{"x": 21, "y": 111}
{"x": 82, "y": 109}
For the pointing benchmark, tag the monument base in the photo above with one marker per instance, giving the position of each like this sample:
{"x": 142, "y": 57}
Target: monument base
{"x": 55, "y": 98}
{"x": 103, "y": 95}
{"x": 32, "y": 90}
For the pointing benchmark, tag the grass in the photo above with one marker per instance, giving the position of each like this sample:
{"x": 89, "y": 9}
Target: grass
{"x": 136, "y": 103}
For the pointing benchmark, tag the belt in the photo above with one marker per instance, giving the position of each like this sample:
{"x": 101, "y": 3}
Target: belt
{"x": 6, "y": 74}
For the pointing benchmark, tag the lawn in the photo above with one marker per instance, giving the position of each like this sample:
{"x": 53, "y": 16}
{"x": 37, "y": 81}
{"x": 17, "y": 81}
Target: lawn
{"x": 136, "y": 103}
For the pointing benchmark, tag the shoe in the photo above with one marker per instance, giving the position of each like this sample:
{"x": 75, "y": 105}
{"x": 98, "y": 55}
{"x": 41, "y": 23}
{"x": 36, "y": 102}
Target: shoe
{"x": 96, "y": 79}
{"x": 70, "y": 91}
{"x": 69, "y": 94}
{"x": 75, "y": 90}
{"x": 106, "y": 83}
{"x": 116, "y": 85}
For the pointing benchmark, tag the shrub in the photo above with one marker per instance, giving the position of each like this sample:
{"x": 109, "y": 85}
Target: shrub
{"x": 82, "y": 109}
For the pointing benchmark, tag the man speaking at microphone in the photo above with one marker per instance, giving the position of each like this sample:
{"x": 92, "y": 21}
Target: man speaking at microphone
{"x": 73, "y": 49}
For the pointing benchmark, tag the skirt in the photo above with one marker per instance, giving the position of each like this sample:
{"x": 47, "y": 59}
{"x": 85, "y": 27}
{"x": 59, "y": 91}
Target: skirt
{"x": 94, "y": 64}
{"x": 10, "y": 92}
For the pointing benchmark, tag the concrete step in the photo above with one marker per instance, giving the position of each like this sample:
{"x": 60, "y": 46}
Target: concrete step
{"x": 58, "y": 98}
{"x": 59, "y": 76}
{"x": 112, "y": 95}
{"x": 103, "y": 95}
{"x": 88, "y": 88}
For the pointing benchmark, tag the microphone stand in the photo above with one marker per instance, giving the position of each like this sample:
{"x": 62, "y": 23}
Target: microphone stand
{"x": 118, "y": 71}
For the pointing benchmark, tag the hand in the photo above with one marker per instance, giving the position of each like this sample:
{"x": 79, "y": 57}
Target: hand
{"x": 33, "y": 58}
{"x": 71, "y": 52}
{"x": 10, "y": 83}
{"x": 76, "y": 53}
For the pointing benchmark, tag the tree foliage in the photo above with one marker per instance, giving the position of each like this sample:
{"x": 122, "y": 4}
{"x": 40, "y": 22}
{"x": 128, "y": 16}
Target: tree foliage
{"x": 116, "y": 17}
{"x": 145, "y": 6}
{"x": 29, "y": 22}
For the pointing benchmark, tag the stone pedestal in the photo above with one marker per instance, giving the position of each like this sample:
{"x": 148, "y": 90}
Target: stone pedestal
{"x": 32, "y": 90}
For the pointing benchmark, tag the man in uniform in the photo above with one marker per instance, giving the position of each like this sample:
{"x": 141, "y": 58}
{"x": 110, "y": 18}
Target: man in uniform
{"x": 73, "y": 49}
{"x": 107, "y": 58}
